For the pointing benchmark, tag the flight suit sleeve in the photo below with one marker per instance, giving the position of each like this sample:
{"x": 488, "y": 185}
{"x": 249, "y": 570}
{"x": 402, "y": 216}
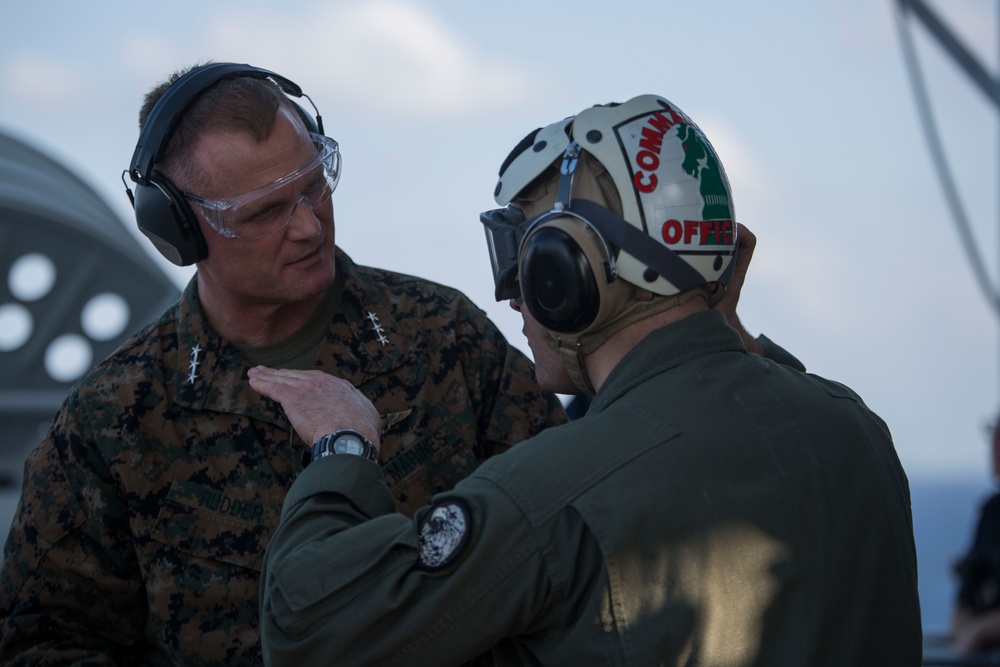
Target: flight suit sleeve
{"x": 70, "y": 587}
{"x": 347, "y": 581}
{"x": 512, "y": 407}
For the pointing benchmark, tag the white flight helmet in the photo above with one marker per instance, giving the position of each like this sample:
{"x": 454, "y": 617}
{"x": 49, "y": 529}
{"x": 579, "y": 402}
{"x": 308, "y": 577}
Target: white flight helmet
{"x": 676, "y": 232}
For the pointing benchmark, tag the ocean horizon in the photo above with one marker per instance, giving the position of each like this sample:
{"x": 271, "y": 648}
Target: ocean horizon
{"x": 945, "y": 511}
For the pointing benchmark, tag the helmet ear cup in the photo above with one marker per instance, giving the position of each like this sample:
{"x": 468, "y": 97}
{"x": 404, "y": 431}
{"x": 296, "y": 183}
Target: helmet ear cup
{"x": 558, "y": 282}
{"x": 168, "y": 221}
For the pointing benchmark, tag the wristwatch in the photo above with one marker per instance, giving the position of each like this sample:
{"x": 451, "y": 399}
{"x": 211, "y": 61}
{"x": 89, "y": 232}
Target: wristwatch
{"x": 344, "y": 442}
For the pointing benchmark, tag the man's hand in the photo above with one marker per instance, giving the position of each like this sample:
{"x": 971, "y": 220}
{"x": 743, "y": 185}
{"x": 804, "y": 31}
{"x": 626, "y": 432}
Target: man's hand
{"x": 317, "y": 403}
{"x": 745, "y": 243}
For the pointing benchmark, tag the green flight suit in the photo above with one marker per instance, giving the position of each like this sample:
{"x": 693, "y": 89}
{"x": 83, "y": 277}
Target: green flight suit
{"x": 712, "y": 508}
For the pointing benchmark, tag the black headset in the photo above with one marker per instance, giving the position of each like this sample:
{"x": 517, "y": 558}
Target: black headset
{"x": 567, "y": 272}
{"x": 559, "y": 284}
{"x": 567, "y": 266}
{"x": 160, "y": 210}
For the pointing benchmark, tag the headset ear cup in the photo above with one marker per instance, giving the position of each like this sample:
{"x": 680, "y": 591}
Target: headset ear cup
{"x": 558, "y": 283}
{"x": 166, "y": 219}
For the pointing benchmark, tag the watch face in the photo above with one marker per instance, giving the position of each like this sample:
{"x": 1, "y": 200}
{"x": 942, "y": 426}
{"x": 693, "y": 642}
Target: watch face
{"x": 349, "y": 444}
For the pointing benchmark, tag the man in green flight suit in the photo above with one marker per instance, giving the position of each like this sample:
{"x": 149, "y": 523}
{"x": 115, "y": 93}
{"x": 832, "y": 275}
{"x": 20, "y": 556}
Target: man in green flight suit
{"x": 713, "y": 507}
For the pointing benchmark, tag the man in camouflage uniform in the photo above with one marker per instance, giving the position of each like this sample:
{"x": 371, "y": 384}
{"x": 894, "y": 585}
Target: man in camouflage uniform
{"x": 146, "y": 510}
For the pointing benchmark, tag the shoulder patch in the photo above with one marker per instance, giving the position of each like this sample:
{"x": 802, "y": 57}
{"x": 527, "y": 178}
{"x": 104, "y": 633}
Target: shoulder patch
{"x": 444, "y": 534}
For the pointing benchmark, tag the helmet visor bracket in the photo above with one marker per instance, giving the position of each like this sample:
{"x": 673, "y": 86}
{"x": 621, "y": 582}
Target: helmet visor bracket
{"x": 504, "y": 229}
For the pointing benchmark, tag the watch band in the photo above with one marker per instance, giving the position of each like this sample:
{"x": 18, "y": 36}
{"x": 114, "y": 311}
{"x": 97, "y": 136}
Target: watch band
{"x": 346, "y": 441}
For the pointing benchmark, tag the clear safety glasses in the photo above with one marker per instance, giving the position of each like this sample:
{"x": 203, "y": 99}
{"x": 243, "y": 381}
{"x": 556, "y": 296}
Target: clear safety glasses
{"x": 269, "y": 208}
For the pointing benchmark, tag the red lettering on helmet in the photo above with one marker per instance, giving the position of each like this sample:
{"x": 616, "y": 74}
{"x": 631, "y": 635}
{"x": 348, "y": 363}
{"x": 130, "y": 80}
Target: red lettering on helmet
{"x": 641, "y": 185}
{"x": 648, "y": 161}
{"x": 661, "y": 123}
{"x": 671, "y": 231}
{"x": 726, "y": 231}
{"x": 690, "y": 230}
{"x": 652, "y": 140}
{"x": 722, "y": 233}
{"x": 707, "y": 230}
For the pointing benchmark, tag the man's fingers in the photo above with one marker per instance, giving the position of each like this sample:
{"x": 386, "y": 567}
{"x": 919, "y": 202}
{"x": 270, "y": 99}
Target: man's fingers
{"x": 745, "y": 238}
{"x": 265, "y": 377}
{"x": 745, "y": 244}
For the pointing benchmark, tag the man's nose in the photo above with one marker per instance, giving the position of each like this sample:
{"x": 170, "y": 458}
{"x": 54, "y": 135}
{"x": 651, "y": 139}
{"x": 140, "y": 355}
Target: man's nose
{"x": 307, "y": 213}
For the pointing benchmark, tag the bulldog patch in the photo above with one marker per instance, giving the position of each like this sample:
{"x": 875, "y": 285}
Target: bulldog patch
{"x": 444, "y": 534}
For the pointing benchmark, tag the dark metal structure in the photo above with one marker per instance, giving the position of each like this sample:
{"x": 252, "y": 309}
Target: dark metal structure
{"x": 938, "y": 650}
{"x": 74, "y": 284}
{"x": 918, "y": 11}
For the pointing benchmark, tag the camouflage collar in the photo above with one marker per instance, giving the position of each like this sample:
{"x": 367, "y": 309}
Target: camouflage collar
{"x": 379, "y": 341}
{"x": 210, "y": 373}
{"x": 365, "y": 339}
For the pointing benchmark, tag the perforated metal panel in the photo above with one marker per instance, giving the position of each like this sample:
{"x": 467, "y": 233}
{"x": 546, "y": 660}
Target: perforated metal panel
{"x": 74, "y": 284}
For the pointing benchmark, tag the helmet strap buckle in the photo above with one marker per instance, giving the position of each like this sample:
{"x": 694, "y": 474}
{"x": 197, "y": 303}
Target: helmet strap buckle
{"x": 570, "y": 158}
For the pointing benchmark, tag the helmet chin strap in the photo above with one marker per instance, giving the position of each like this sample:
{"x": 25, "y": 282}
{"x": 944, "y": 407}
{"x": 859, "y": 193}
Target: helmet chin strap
{"x": 574, "y": 348}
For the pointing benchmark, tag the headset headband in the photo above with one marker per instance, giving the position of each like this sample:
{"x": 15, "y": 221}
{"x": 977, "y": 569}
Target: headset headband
{"x": 166, "y": 113}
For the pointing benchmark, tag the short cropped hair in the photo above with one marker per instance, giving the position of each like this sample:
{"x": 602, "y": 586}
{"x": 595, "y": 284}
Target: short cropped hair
{"x": 236, "y": 103}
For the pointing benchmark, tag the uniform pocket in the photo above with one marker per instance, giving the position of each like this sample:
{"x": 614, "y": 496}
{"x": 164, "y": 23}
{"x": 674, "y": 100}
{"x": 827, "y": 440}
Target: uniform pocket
{"x": 215, "y": 525}
{"x": 433, "y": 464}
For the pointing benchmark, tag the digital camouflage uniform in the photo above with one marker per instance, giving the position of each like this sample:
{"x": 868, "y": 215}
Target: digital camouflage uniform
{"x": 712, "y": 508}
{"x": 146, "y": 510}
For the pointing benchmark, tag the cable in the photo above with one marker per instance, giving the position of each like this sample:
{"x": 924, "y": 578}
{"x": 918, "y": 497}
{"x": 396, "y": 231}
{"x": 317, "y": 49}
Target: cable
{"x": 941, "y": 164}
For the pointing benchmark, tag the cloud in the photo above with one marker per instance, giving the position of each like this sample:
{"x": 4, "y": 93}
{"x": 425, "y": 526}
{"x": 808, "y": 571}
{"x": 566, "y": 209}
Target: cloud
{"x": 863, "y": 26}
{"x": 151, "y": 57}
{"x": 397, "y": 51}
{"x": 33, "y": 78}
{"x": 381, "y": 57}
{"x": 790, "y": 270}
{"x": 752, "y": 182}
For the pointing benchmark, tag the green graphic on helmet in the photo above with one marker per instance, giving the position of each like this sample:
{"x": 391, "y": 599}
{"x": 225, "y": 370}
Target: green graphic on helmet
{"x": 701, "y": 162}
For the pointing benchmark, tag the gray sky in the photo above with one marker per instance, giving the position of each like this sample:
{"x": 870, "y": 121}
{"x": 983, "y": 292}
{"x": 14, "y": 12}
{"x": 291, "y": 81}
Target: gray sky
{"x": 859, "y": 270}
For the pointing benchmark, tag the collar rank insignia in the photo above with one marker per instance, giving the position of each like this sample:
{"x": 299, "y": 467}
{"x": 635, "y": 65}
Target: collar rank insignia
{"x": 377, "y": 328}
{"x": 193, "y": 366}
{"x": 444, "y": 534}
